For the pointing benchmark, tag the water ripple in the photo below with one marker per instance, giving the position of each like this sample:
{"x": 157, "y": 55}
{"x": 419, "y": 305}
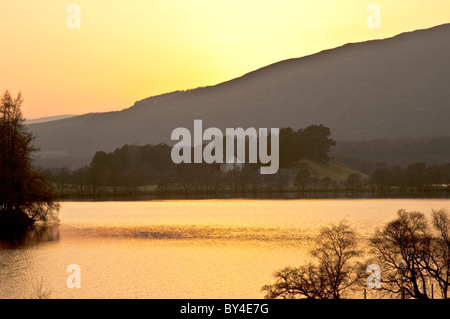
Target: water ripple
{"x": 193, "y": 232}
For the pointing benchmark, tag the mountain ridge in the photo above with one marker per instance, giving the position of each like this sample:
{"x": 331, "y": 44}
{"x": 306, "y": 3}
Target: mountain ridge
{"x": 373, "y": 89}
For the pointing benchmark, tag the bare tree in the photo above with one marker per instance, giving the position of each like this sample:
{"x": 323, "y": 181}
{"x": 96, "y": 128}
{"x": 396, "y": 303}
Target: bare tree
{"x": 40, "y": 291}
{"x": 436, "y": 258}
{"x": 332, "y": 275}
{"x": 412, "y": 256}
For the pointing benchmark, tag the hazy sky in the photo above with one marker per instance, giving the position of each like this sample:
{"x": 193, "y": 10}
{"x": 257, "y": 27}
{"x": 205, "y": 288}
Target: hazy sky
{"x": 129, "y": 50}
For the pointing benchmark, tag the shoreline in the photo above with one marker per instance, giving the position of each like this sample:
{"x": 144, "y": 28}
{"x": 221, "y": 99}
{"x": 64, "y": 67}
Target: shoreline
{"x": 287, "y": 195}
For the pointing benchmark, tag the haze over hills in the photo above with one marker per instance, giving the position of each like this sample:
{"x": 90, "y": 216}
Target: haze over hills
{"x": 391, "y": 88}
{"x": 48, "y": 119}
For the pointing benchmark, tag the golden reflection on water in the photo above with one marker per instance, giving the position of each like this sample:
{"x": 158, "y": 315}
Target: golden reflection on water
{"x": 184, "y": 249}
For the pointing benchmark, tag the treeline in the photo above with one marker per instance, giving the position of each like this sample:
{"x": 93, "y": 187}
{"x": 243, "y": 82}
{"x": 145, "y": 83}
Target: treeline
{"x": 416, "y": 177}
{"x": 131, "y": 168}
{"x": 369, "y": 155}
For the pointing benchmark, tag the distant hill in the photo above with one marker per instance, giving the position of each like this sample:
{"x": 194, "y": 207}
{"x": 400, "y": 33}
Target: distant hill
{"x": 391, "y": 88}
{"x": 48, "y": 119}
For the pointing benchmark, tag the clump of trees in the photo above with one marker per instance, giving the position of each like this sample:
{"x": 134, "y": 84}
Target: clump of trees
{"x": 413, "y": 255}
{"x": 312, "y": 143}
{"x": 25, "y": 195}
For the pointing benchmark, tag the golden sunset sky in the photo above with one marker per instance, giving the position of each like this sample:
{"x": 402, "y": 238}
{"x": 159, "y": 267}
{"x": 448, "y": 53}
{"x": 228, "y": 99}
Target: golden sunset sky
{"x": 129, "y": 50}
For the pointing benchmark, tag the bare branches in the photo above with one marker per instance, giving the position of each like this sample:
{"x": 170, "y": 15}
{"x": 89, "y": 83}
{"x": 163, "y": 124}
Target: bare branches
{"x": 412, "y": 256}
{"x": 40, "y": 291}
{"x": 330, "y": 277}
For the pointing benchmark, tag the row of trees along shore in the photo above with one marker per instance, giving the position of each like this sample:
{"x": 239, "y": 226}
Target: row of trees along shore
{"x": 140, "y": 170}
{"x": 132, "y": 168}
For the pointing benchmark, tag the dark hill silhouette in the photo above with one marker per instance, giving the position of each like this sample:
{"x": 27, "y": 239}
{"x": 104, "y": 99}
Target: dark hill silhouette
{"x": 390, "y": 88}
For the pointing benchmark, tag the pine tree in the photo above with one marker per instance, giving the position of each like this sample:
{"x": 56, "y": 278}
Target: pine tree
{"x": 25, "y": 196}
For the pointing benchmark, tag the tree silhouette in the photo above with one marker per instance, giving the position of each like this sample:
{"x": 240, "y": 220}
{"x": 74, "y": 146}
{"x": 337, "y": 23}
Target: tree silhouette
{"x": 312, "y": 143}
{"x": 413, "y": 255}
{"x": 302, "y": 179}
{"x": 353, "y": 182}
{"x": 25, "y": 197}
{"x": 332, "y": 275}
{"x": 437, "y": 258}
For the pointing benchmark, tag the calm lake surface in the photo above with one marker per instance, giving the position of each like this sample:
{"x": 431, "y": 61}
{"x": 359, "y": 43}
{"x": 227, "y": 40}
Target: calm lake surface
{"x": 184, "y": 248}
